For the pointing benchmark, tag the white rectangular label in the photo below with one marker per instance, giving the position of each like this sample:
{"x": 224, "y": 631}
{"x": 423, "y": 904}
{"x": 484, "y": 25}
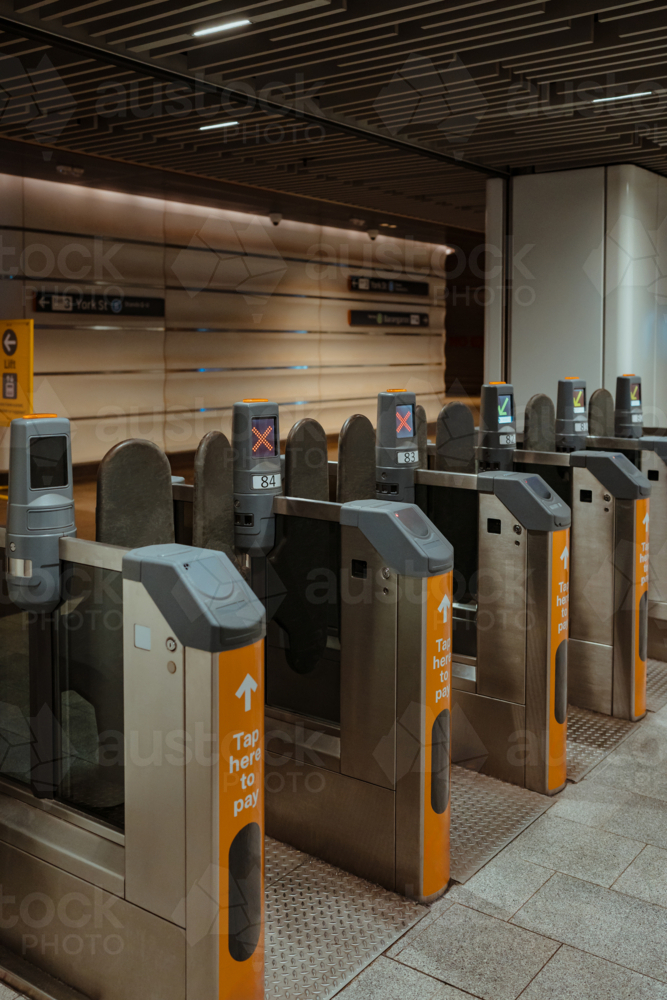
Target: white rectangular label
{"x": 272, "y": 482}
{"x": 581, "y": 428}
{"x": 637, "y": 418}
{"x": 407, "y": 457}
{"x": 508, "y": 438}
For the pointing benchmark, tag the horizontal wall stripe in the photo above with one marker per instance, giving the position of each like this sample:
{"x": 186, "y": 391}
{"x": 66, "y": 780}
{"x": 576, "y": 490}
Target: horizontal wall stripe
{"x": 235, "y": 325}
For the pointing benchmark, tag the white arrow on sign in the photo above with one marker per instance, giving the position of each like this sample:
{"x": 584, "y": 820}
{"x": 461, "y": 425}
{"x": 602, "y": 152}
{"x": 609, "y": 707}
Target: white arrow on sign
{"x": 249, "y": 685}
{"x": 9, "y": 342}
{"x": 646, "y": 522}
{"x": 43, "y": 302}
{"x": 445, "y": 605}
{"x": 565, "y": 556}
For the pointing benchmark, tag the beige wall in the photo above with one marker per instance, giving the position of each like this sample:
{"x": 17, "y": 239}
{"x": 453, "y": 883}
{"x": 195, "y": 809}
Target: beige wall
{"x": 251, "y": 310}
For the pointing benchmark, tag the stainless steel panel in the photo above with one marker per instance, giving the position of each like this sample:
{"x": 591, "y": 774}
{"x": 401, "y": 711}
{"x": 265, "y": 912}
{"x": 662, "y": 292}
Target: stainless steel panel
{"x": 409, "y": 741}
{"x": 302, "y": 739}
{"x": 592, "y": 564}
{"x": 486, "y": 816}
{"x": 321, "y": 510}
{"x": 86, "y": 937}
{"x": 590, "y": 672}
{"x": 66, "y": 813}
{"x": 623, "y": 691}
{"x": 32, "y": 982}
{"x": 542, "y": 458}
{"x": 501, "y": 605}
{"x": 461, "y": 480}
{"x": 657, "y": 610}
{"x": 77, "y": 851}
{"x": 344, "y": 821}
{"x": 538, "y": 661}
{"x": 657, "y": 580}
{"x": 368, "y": 633}
{"x": 202, "y": 882}
{"x": 85, "y": 553}
{"x": 154, "y": 771}
{"x": 657, "y": 634}
{"x": 490, "y": 735}
{"x": 464, "y": 674}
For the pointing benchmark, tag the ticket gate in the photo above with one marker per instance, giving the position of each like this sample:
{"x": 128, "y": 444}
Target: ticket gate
{"x": 358, "y": 656}
{"x": 131, "y": 857}
{"x": 609, "y": 497}
{"x": 509, "y": 531}
{"x": 620, "y": 427}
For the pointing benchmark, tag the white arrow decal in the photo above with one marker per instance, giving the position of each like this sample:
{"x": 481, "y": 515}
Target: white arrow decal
{"x": 445, "y": 605}
{"x": 565, "y": 556}
{"x": 646, "y": 522}
{"x": 249, "y": 685}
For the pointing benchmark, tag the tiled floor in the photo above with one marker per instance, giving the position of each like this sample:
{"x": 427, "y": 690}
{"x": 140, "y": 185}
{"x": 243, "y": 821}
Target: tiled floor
{"x": 575, "y": 908}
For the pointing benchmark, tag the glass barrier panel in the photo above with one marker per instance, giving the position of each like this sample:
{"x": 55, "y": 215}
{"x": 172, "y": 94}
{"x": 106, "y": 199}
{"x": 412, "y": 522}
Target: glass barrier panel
{"x": 303, "y": 636}
{"x": 15, "y": 734}
{"x": 89, "y": 692}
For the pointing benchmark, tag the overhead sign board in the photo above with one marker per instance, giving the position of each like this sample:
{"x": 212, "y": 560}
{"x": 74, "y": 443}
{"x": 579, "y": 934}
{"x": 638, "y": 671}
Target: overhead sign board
{"x": 16, "y": 352}
{"x": 368, "y": 317}
{"x": 96, "y": 305}
{"x": 388, "y": 286}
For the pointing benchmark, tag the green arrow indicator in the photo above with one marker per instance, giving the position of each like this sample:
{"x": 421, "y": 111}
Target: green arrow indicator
{"x": 502, "y": 410}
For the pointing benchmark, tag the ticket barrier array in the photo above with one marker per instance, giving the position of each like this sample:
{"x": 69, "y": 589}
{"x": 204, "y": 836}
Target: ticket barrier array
{"x": 349, "y": 698}
{"x": 131, "y": 857}
{"x": 510, "y": 600}
{"x": 619, "y": 426}
{"x": 609, "y": 496}
{"x": 609, "y": 500}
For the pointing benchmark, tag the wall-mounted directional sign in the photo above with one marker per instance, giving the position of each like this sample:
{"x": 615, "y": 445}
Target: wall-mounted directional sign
{"x": 109, "y": 305}
{"x": 368, "y": 317}
{"x": 388, "y": 286}
{"x": 16, "y": 356}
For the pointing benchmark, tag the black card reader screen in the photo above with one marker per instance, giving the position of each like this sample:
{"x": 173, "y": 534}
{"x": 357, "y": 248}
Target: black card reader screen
{"x": 48, "y": 462}
{"x": 505, "y": 409}
{"x": 635, "y": 394}
{"x": 405, "y": 421}
{"x": 264, "y": 437}
{"x": 579, "y": 400}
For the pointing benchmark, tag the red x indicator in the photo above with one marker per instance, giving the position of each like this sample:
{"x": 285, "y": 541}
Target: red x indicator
{"x": 403, "y": 422}
{"x": 262, "y": 439}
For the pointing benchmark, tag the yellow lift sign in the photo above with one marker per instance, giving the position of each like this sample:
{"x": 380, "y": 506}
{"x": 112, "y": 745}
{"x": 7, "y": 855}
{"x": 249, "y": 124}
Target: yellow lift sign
{"x": 16, "y": 352}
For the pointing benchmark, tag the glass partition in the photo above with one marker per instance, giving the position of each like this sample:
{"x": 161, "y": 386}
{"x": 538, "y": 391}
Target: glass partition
{"x": 89, "y": 692}
{"x": 15, "y": 734}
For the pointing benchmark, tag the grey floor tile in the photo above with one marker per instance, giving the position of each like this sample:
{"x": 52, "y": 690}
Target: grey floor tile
{"x": 574, "y": 975}
{"x": 502, "y": 886}
{"x": 602, "y": 921}
{"x": 643, "y": 818}
{"x": 387, "y": 980}
{"x": 434, "y": 911}
{"x": 646, "y": 877}
{"x": 564, "y": 846}
{"x": 591, "y": 803}
{"x": 7, "y": 994}
{"x": 479, "y": 954}
{"x": 634, "y": 773}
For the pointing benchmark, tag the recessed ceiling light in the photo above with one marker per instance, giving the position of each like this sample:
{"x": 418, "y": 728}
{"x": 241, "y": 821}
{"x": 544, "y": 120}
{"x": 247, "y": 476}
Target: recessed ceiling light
{"x": 221, "y": 27}
{"x": 204, "y": 128}
{"x": 622, "y": 97}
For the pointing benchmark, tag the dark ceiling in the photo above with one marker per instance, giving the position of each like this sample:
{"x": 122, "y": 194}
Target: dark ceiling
{"x": 379, "y": 111}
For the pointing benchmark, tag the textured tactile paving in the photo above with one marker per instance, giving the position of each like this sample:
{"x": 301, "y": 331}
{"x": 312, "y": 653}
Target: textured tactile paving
{"x": 486, "y": 815}
{"x": 279, "y": 860}
{"x": 590, "y": 737}
{"x": 656, "y": 685}
{"x": 324, "y": 926}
